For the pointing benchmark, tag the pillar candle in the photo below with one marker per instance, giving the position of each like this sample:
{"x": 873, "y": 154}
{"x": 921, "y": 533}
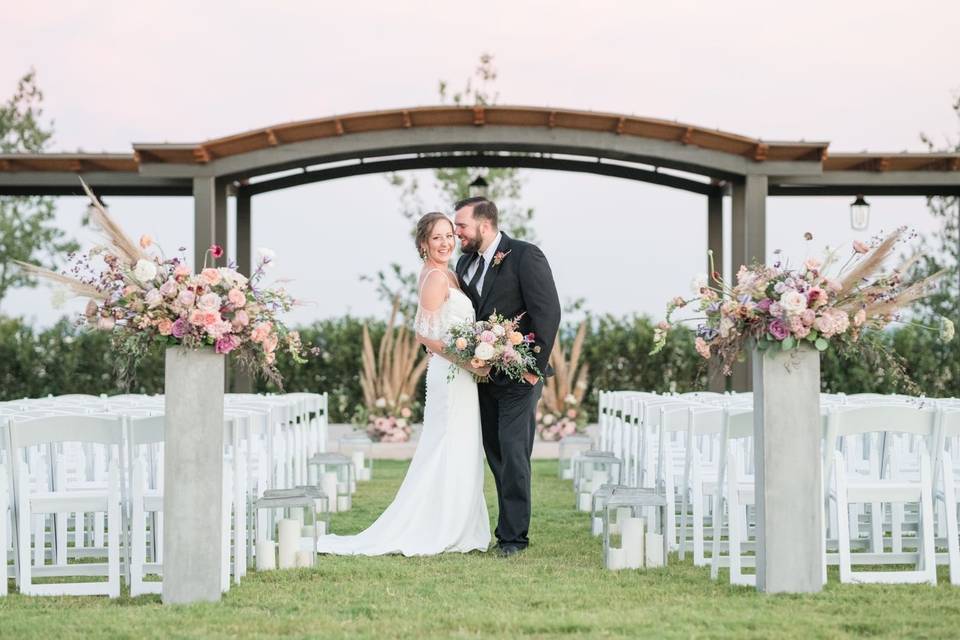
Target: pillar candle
{"x": 363, "y": 474}
{"x": 584, "y": 504}
{"x": 654, "y": 550}
{"x": 632, "y": 542}
{"x": 615, "y": 559}
{"x": 321, "y": 527}
{"x": 358, "y": 461}
{"x": 266, "y": 555}
{"x": 622, "y": 514}
{"x": 597, "y": 526}
{"x": 329, "y": 486}
{"x": 304, "y": 558}
{"x": 289, "y": 535}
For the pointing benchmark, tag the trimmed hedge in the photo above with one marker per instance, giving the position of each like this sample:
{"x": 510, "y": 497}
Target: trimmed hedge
{"x": 67, "y": 359}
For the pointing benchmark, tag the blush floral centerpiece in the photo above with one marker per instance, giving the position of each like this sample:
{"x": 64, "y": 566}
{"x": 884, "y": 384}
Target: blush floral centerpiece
{"x": 144, "y": 297}
{"x": 819, "y": 305}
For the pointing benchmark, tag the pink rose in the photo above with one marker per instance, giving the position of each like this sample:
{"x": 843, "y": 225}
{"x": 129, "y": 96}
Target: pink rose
{"x": 165, "y": 326}
{"x": 816, "y": 297}
{"x": 168, "y": 288}
{"x": 764, "y": 305}
{"x": 236, "y": 298}
{"x": 488, "y": 337}
{"x": 241, "y": 319}
{"x": 181, "y": 270}
{"x": 196, "y": 317}
{"x": 778, "y": 329}
{"x": 228, "y": 343}
{"x": 187, "y": 298}
{"x": 808, "y": 316}
{"x": 153, "y": 298}
{"x": 218, "y": 329}
{"x": 702, "y": 347}
{"x": 270, "y": 343}
{"x": 261, "y": 331}
{"x": 211, "y": 318}
{"x": 209, "y": 302}
{"x": 210, "y": 276}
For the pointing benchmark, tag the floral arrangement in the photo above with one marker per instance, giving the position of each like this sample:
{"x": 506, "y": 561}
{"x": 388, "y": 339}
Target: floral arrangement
{"x": 389, "y": 379}
{"x": 144, "y": 297}
{"x": 494, "y": 342}
{"x": 390, "y": 421}
{"x": 780, "y": 307}
{"x": 559, "y": 413}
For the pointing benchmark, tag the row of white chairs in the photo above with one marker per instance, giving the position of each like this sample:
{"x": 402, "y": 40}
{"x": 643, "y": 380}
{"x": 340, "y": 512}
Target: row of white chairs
{"x": 889, "y": 479}
{"x": 95, "y": 464}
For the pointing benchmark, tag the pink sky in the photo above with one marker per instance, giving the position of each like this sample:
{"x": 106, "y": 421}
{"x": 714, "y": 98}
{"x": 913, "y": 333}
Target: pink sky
{"x": 862, "y": 75}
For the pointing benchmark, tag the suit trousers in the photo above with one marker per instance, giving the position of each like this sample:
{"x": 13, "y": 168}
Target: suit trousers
{"x": 508, "y": 419}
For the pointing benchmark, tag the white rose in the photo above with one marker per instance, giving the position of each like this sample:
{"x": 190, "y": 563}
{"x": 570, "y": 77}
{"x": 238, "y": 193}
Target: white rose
{"x": 381, "y": 403}
{"x": 154, "y": 298}
{"x": 698, "y": 283}
{"x": 484, "y": 351}
{"x": 793, "y": 302}
{"x": 232, "y": 278}
{"x": 548, "y": 419}
{"x": 209, "y": 302}
{"x": 498, "y": 330}
{"x": 145, "y": 270}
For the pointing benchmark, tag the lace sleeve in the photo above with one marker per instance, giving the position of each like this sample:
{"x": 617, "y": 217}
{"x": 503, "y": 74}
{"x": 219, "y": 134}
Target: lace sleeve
{"x": 429, "y": 324}
{"x": 433, "y": 292}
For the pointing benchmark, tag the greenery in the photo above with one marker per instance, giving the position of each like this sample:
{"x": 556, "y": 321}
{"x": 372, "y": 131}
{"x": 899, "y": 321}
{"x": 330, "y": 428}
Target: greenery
{"x": 28, "y": 232}
{"x": 67, "y": 359}
{"x": 557, "y": 588}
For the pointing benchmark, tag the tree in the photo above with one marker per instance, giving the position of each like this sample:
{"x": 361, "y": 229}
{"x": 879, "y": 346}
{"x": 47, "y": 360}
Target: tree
{"x": 942, "y": 251}
{"x": 504, "y": 187}
{"x": 27, "y": 227}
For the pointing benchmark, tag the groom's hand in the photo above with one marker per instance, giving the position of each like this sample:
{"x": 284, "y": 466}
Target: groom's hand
{"x": 530, "y": 378}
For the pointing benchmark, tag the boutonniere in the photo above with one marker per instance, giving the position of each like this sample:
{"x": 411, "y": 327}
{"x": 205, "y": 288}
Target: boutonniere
{"x": 499, "y": 257}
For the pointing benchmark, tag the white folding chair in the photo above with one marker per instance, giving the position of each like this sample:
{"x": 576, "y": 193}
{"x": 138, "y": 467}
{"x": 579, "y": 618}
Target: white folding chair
{"x": 735, "y": 491}
{"x": 106, "y": 431}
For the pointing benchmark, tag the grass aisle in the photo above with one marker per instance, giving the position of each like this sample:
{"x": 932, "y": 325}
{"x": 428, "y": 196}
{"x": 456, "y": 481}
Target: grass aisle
{"x": 556, "y": 588}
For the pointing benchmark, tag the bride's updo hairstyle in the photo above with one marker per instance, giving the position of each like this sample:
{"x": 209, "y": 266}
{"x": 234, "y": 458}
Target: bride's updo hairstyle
{"x": 425, "y": 227}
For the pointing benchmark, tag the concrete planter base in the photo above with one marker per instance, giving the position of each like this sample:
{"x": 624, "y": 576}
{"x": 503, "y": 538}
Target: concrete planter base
{"x": 787, "y": 433}
{"x": 193, "y": 476}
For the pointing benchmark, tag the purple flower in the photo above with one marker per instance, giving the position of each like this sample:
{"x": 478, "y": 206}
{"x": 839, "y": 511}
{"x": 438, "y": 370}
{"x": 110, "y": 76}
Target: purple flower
{"x": 778, "y": 329}
{"x": 764, "y": 305}
{"x": 180, "y": 328}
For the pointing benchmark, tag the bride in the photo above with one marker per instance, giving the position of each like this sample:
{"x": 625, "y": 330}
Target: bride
{"x": 440, "y": 505}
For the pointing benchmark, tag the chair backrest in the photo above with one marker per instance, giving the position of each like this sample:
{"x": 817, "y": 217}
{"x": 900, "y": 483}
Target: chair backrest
{"x": 142, "y": 430}
{"x": 96, "y": 429}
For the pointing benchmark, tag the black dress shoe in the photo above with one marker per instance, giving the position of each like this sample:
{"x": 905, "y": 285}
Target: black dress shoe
{"x": 509, "y": 550}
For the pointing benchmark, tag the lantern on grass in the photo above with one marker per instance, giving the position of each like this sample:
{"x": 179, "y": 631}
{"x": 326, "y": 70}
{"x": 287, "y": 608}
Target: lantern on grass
{"x": 631, "y": 540}
{"x": 359, "y": 447}
{"x": 334, "y": 474}
{"x": 570, "y": 446}
{"x": 591, "y": 470}
{"x": 305, "y": 518}
{"x": 598, "y": 504}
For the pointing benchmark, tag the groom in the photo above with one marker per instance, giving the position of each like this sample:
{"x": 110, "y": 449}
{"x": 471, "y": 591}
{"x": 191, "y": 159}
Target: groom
{"x": 509, "y": 277}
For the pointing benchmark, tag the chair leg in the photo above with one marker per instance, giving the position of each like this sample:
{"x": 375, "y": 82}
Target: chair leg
{"x": 4, "y": 531}
{"x": 23, "y": 535}
{"x": 717, "y": 522}
{"x": 843, "y": 515}
{"x": 113, "y": 533}
{"x": 138, "y": 538}
{"x": 928, "y": 547}
{"x": 950, "y": 502}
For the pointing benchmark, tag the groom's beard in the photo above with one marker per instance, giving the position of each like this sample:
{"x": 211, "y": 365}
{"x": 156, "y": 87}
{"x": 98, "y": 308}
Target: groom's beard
{"x": 470, "y": 246}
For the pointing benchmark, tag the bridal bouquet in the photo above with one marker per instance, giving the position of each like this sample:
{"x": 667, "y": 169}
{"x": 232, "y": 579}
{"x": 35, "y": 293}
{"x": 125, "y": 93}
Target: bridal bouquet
{"x": 816, "y": 304}
{"x": 143, "y": 297}
{"x": 494, "y": 342}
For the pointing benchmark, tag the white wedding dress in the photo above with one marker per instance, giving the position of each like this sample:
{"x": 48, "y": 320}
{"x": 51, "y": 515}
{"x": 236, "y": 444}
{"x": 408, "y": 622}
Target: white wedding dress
{"x": 440, "y": 505}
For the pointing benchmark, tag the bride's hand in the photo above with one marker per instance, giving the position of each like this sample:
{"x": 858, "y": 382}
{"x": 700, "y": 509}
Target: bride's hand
{"x": 483, "y": 372}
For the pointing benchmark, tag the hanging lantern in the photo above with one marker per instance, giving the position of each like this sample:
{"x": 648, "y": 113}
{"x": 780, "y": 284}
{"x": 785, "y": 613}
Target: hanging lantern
{"x": 478, "y": 188}
{"x": 859, "y": 214}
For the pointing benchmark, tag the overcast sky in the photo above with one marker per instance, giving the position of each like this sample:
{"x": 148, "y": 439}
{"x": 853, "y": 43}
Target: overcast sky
{"x": 861, "y": 75}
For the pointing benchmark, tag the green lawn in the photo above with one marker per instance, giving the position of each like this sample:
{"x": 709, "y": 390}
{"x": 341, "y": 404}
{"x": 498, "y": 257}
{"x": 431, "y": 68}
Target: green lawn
{"x": 557, "y": 588}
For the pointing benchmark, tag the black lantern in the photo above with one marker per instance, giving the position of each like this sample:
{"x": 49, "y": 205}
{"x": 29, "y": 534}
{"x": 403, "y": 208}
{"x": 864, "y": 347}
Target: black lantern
{"x": 859, "y": 214}
{"x": 478, "y": 188}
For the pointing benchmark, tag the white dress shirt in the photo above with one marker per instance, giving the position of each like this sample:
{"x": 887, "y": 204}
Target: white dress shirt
{"x": 487, "y": 259}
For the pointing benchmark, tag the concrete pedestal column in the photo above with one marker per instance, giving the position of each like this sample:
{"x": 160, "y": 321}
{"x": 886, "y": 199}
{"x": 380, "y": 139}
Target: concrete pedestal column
{"x": 789, "y": 494}
{"x": 193, "y": 476}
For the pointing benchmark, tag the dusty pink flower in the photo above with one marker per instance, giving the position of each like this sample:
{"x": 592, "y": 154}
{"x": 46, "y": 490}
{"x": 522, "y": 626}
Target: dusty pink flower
{"x": 406, "y": 412}
{"x": 778, "y": 329}
{"x": 165, "y": 326}
{"x": 859, "y": 318}
{"x": 218, "y": 329}
{"x": 228, "y": 343}
{"x": 145, "y": 241}
{"x": 241, "y": 319}
{"x": 270, "y": 343}
{"x": 153, "y": 298}
{"x": 168, "y": 288}
{"x": 702, "y": 347}
{"x": 187, "y": 298}
{"x": 179, "y": 328}
{"x": 181, "y": 270}
{"x": 211, "y": 276}
{"x": 488, "y": 337}
{"x": 571, "y": 413}
{"x": 261, "y": 331}
{"x": 812, "y": 264}
{"x": 461, "y": 343}
{"x": 236, "y": 298}
{"x": 816, "y": 297}
{"x": 808, "y": 316}
{"x": 196, "y": 317}
{"x": 860, "y": 247}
